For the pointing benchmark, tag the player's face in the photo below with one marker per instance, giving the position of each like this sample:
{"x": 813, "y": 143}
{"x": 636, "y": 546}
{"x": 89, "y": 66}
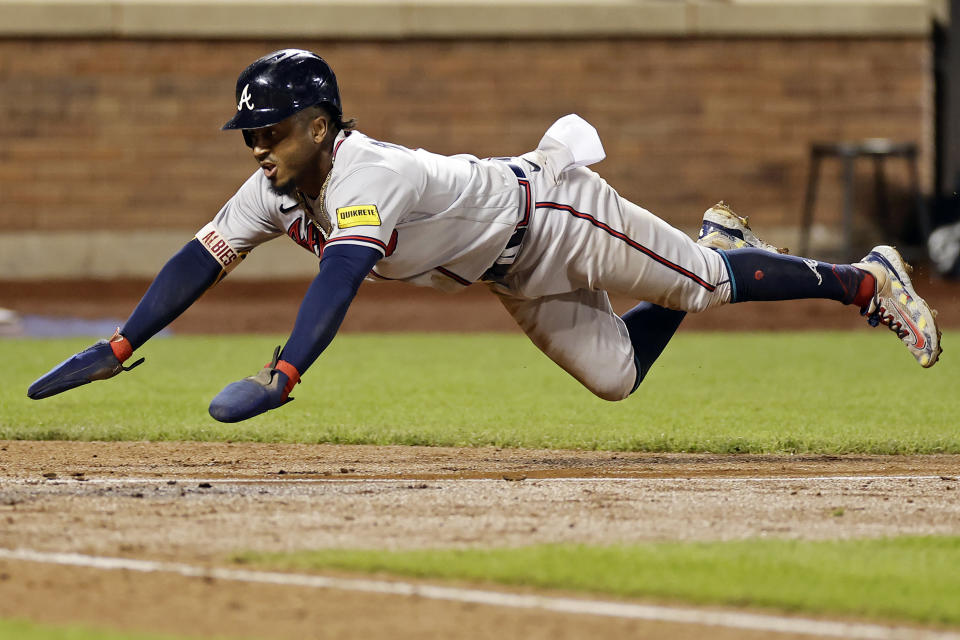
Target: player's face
{"x": 288, "y": 155}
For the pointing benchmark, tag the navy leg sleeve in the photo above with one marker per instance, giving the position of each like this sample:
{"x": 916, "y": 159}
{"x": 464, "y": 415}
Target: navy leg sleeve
{"x": 759, "y": 275}
{"x": 650, "y": 327}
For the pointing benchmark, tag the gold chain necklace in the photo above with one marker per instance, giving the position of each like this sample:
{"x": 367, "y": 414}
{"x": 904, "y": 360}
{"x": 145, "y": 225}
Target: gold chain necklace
{"x": 319, "y": 218}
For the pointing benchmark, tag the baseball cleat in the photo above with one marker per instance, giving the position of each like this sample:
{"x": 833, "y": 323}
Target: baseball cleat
{"x": 724, "y": 229}
{"x": 897, "y": 305}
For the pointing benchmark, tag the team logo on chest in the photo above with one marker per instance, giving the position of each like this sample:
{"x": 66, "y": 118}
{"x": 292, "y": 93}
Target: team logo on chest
{"x": 246, "y": 100}
{"x": 310, "y": 239}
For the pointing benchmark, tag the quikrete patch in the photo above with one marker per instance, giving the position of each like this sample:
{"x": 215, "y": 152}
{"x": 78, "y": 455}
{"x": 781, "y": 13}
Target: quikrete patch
{"x": 364, "y": 215}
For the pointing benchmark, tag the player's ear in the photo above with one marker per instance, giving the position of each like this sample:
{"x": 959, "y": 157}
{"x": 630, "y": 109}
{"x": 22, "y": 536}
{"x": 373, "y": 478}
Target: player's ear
{"x": 319, "y": 127}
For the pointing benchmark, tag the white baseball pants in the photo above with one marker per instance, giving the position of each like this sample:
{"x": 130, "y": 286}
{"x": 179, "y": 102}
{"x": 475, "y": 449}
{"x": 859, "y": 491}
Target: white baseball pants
{"x": 585, "y": 240}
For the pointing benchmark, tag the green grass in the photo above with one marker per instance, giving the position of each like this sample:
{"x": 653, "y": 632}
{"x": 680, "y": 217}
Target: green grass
{"x": 856, "y": 392}
{"x": 23, "y": 630}
{"x": 899, "y": 579}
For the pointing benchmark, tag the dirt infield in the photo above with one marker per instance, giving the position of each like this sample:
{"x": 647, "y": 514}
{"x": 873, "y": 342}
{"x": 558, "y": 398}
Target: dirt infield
{"x": 198, "y": 502}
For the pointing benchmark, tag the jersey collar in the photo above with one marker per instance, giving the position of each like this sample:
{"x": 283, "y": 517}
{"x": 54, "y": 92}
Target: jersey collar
{"x": 337, "y": 142}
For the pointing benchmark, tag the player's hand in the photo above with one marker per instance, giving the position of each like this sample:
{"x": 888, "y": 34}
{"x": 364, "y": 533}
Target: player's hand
{"x": 268, "y": 389}
{"x": 97, "y": 362}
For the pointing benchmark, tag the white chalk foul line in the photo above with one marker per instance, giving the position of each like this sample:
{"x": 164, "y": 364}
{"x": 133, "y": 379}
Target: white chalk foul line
{"x": 731, "y": 619}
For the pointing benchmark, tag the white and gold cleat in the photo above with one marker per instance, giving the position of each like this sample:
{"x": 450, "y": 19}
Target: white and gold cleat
{"x": 724, "y": 229}
{"x": 897, "y": 305}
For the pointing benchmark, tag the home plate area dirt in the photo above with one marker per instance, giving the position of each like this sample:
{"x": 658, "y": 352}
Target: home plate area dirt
{"x": 195, "y": 503}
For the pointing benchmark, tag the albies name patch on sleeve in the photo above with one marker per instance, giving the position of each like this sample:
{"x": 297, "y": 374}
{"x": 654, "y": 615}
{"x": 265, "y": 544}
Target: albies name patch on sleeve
{"x": 364, "y": 215}
{"x": 219, "y": 248}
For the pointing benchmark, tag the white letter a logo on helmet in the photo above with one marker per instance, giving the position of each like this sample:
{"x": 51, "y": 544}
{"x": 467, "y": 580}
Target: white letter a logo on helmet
{"x": 246, "y": 100}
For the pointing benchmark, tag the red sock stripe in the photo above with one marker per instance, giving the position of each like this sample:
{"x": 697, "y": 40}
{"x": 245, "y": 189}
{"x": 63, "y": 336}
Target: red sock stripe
{"x": 632, "y": 243}
{"x": 868, "y": 287}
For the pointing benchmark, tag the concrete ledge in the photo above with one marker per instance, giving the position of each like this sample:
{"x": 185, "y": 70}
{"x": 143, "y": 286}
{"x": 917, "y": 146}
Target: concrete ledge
{"x": 141, "y": 254}
{"x": 813, "y": 18}
{"x": 396, "y": 19}
{"x": 56, "y": 18}
{"x": 106, "y": 255}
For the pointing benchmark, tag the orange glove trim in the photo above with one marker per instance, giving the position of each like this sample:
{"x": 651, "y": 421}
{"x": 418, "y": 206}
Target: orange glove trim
{"x": 122, "y": 348}
{"x": 293, "y": 376}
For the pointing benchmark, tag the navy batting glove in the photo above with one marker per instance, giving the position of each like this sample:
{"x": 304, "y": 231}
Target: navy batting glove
{"x": 97, "y": 362}
{"x": 268, "y": 389}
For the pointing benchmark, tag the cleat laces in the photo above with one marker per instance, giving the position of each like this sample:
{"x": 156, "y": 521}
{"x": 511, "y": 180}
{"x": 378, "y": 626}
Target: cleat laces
{"x": 880, "y": 316}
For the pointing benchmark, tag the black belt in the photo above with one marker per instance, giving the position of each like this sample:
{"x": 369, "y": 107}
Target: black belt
{"x": 512, "y": 250}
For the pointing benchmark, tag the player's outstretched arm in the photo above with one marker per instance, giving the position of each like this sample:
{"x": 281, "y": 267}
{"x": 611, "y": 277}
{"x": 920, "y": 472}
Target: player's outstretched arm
{"x": 324, "y": 306}
{"x": 184, "y": 278}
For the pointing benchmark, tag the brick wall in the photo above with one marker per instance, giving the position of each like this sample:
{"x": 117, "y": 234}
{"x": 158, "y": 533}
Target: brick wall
{"x": 124, "y": 134}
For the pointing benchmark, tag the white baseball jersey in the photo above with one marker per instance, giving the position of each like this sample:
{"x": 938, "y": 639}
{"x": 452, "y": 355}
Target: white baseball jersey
{"x": 439, "y": 221}
{"x": 443, "y": 221}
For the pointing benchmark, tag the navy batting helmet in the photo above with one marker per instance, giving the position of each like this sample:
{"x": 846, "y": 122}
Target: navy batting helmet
{"x": 279, "y": 85}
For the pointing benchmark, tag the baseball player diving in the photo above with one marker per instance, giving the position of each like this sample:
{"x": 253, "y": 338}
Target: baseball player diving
{"x": 548, "y": 236}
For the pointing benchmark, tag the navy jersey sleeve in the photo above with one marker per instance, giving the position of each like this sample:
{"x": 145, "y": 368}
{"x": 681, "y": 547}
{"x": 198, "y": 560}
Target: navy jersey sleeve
{"x": 325, "y": 304}
{"x": 181, "y": 281}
